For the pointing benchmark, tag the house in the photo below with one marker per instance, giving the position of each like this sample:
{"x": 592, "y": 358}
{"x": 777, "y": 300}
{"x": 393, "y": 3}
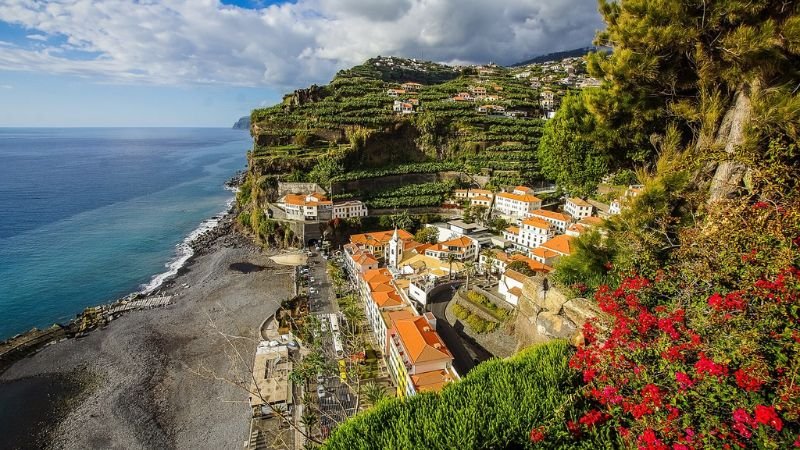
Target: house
{"x": 523, "y": 190}
{"x": 314, "y": 206}
{"x": 515, "y": 114}
{"x": 614, "y": 208}
{"x": 460, "y": 228}
{"x": 515, "y": 204}
{"x": 411, "y": 87}
{"x": 381, "y": 296}
{"x": 358, "y": 260}
{"x": 463, "y": 97}
{"x": 403, "y": 107}
{"x": 549, "y": 252}
{"x": 348, "y": 209}
{"x": 464, "y": 194}
{"x": 395, "y": 92}
{"x": 547, "y": 100}
{"x": 578, "y": 208}
{"x": 375, "y": 242}
{"x": 478, "y": 90}
{"x": 497, "y": 261}
{"x": 463, "y": 248}
{"x": 481, "y": 200}
{"x": 532, "y": 233}
{"x": 418, "y": 359}
{"x": 558, "y": 220}
{"x": 510, "y": 286}
{"x": 491, "y": 109}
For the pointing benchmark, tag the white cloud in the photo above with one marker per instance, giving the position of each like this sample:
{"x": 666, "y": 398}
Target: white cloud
{"x": 287, "y": 45}
{"x": 6, "y": 86}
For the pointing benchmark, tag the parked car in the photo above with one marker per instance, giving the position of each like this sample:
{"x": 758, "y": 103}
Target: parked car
{"x": 311, "y": 279}
{"x": 321, "y": 391}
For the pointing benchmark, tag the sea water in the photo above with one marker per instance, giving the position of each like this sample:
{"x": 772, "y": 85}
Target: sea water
{"x": 88, "y": 215}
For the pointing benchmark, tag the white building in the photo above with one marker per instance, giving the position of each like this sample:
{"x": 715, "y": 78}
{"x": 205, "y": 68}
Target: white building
{"x": 510, "y": 286}
{"x": 463, "y": 248}
{"x": 531, "y": 233}
{"x": 403, "y": 107}
{"x": 468, "y": 194}
{"x": 557, "y": 220}
{"x": 516, "y": 205}
{"x": 348, "y": 209}
{"x": 577, "y": 208}
{"x": 313, "y": 206}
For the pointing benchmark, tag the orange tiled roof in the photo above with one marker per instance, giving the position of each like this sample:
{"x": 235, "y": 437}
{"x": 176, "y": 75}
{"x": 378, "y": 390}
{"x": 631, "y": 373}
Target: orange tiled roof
{"x": 379, "y": 238}
{"x": 536, "y": 222}
{"x": 421, "y": 342}
{"x": 527, "y": 198}
{"x": 524, "y": 189}
{"x": 513, "y": 230}
{"x": 536, "y": 266}
{"x": 300, "y": 200}
{"x": 462, "y": 242}
{"x": 482, "y": 198}
{"x": 432, "y": 381}
{"x": 544, "y": 253}
{"x": 561, "y": 244}
{"x": 514, "y": 275}
{"x": 387, "y": 299}
{"x": 576, "y": 227}
{"x": 578, "y": 201}
{"x": 516, "y": 291}
{"x": 377, "y": 274}
{"x": 592, "y": 221}
{"x": 550, "y": 215}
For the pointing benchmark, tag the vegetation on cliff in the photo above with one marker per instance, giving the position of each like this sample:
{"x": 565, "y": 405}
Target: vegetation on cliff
{"x": 699, "y": 275}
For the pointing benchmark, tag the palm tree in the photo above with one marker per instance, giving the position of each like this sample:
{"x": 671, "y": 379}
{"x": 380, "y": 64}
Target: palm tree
{"x": 490, "y": 257}
{"x": 469, "y": 267}
{"x": 374, "y": 392}
{"x": 309, "y": 420}
{"x": 451, "y": 258}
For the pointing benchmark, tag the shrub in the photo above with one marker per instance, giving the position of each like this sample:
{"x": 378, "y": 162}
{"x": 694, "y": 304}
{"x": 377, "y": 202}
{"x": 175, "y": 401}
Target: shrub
{"x": 494, "y": 406}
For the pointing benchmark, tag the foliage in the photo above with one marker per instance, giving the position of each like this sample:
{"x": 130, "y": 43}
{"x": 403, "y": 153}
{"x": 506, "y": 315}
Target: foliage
{"x": 427, "y": 235}
{"x": 569, "y": 152}
{"x": 590, "y": 264}
{"x": 476, "y": 322}
{"x": 494, "y": 406}
{"x": 489, "y": 306}
{"x": 521, "y": 267}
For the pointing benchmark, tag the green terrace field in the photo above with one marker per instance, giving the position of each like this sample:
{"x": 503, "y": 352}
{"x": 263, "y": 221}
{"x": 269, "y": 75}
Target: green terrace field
{"x": 347, "y": 130}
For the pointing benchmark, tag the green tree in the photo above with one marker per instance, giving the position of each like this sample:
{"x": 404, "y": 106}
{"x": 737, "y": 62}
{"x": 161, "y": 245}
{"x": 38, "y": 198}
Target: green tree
{"x": 427, "y": 235}
{"x": 373, "y": 392}
{"x": 521, "y": 267}
{"x": 569, "y": 152}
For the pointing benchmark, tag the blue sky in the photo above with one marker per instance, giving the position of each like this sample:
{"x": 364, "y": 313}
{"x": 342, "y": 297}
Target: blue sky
{"x": 209, "y": 62}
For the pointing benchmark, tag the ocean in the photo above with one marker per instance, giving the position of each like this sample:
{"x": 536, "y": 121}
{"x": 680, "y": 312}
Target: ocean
{"x": 88, "y": 215}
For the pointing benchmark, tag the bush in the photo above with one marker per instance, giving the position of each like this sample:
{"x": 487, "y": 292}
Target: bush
{"x": 494, "y": 406}
{"x": 481, "y": 300}
{"x": 477, "y": 323}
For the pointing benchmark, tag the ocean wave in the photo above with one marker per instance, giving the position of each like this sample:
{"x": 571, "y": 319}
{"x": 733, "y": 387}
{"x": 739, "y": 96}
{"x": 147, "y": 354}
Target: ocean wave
{"x": 184, "y": 250}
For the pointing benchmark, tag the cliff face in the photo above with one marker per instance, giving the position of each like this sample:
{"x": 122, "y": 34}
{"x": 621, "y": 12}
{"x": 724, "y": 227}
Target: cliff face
{"x": 545, "y": 313}
{"x": 242, "y": 124}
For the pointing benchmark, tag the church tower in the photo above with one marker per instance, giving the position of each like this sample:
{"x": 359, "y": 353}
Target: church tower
{"x": 395, "y": 251}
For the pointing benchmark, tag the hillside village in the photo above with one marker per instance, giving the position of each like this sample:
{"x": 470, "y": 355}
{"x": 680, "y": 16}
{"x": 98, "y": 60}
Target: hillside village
{"x": 472, "y": 246}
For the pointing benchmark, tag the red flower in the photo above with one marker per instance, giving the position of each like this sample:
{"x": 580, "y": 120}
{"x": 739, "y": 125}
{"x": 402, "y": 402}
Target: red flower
{"x": 685, "y": 381}
{"x": 747, "y": 382}
{"x": 679, "y": 447}
{"x": 707, "y": 366}
{"x": 766, "y": 415}
{"x": 761, "y": 205}
{"x": 741, "y": 416}
{"x": 537, "y": 434}
{"x": 742, "y": 429}
{"x": 588, "y": 375}
{"x": 574, "y": 428}
{"x": 593, "y": 417}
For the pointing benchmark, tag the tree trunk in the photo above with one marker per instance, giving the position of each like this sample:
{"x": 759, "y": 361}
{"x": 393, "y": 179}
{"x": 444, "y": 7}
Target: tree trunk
{"x": 729, "y": 174}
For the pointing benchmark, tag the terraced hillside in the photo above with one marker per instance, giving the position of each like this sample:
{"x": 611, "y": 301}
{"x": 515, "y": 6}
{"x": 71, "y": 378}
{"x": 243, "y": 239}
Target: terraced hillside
{"x": 346, "y": 134}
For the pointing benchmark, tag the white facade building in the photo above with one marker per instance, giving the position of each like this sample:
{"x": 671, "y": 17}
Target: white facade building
{"x": 348, "y": 209}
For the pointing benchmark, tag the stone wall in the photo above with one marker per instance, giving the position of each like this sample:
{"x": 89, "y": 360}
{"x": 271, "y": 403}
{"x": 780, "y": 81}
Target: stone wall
{"x": 298, "y": 188}
{"x": 546, "y": 313}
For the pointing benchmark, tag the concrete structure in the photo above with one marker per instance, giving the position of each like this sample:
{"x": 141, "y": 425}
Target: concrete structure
{"x": 271, "y": 388}
{"x": 578, "y": 208}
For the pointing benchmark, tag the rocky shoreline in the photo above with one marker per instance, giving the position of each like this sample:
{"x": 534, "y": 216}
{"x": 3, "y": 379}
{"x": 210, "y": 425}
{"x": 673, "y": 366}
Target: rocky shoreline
{"x": 157, "y": 378}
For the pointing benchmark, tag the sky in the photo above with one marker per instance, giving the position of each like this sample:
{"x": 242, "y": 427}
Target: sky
{"x": 209, "y": 62}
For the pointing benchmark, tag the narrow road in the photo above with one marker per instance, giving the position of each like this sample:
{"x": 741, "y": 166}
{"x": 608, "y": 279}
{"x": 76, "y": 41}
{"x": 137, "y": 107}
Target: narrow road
{"x": 466, "y": 356}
